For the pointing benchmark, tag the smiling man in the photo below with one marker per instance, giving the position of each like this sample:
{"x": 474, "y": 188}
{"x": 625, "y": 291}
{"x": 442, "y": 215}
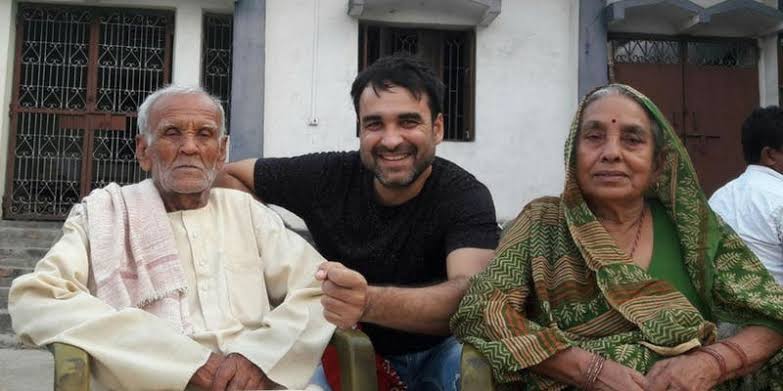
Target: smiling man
{"x": 412, "y": 226}
{"x": 170, "y": 283}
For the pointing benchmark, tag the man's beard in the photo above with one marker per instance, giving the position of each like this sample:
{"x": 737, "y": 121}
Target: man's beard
{"x": 418, "y": 169}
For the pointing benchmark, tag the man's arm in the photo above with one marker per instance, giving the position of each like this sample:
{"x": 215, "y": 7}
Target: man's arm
{"x": 238, "y": 175}
{"x": 424, "y": 310}
{"x": 133, "y": 348}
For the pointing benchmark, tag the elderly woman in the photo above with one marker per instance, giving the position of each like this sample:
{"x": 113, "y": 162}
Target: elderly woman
{"x": 618, "y": 283}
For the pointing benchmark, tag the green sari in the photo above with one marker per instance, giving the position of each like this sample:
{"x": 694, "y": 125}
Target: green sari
{"x": 558, "y": 281}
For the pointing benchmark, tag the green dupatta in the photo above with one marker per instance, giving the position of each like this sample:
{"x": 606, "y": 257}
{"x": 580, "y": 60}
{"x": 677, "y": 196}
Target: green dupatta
{"x": 558, "y": 280}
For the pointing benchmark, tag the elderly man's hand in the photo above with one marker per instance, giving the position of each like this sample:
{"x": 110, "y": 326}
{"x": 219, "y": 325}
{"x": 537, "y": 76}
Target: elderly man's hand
{"x": 694, "y": 371}
{"x": 204, "y": 375}
{"x": 345, "y": 294}
{"x": 238, "y": 373}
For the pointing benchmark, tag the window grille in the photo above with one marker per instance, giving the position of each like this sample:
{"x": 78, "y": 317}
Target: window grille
{"x": 216, "y": 66}
{"x": 79, "y": 75}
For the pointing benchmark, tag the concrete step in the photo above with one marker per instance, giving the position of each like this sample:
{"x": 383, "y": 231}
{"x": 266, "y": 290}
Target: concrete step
{"x": 11, "y": 341}
{"x": 31, "y": 224}
{"x": 5, "y": 322}
{"x": 7, "y": 274}
{"x": 14, "y": 237}
{"x": 4, "y": 296}
{"x": 21, "y": 257}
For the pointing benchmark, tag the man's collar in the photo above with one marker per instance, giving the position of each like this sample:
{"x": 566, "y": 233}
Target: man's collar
{"x": 764, "y": 170}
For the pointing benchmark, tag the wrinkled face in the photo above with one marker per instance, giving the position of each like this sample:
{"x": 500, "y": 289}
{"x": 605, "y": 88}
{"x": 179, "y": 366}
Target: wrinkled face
{"x": 615, "y": 150}
{"x": 186, "y": 151}
{"x": 397, "y": 135}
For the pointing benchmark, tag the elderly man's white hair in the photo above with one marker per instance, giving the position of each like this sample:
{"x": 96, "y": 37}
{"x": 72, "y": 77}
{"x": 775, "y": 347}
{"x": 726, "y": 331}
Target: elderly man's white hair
{"x": 170, "y": 90}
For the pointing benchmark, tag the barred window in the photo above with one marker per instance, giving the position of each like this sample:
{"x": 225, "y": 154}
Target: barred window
{"x": 450, "y": 52}
{"x": 216, "y": 59}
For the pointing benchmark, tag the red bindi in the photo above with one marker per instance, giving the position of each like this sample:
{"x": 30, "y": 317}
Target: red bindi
{"x": 614, "y": 120}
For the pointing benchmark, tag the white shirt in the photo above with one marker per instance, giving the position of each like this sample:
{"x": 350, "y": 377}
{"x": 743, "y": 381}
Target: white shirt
{"x": 752, "y": 204}
{"x": 251, "y": 291}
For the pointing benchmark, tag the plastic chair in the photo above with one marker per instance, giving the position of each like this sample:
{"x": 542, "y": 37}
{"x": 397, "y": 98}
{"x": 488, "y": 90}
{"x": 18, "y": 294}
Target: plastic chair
{"x": 476, "y": 373}
{"x": 354, "y": 350}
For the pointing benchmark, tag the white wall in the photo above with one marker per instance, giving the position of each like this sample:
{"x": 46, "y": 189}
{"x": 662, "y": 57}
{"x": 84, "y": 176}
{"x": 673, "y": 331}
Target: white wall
{"x": 526, "y": 95}
{"x": 526, "y": 76}
{"x": 290, "y": 103}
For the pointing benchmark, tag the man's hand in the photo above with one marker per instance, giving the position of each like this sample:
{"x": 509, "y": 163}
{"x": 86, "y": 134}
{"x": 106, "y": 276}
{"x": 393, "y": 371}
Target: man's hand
{"x": 238, "y": 373}
{"x": 204, "y": 375}
{"x": 345, "y": 294}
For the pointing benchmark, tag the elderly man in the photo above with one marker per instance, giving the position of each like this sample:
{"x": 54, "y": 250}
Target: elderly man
{"x": 169, "y": 283}
{"x": 752, "y": 204}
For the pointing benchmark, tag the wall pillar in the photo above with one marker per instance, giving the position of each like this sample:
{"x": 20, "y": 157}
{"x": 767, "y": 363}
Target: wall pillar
{"x": 186, "y": 69}
{"x": 768, "y": 70}
{"x": 247, "y": 86}
{"x": 593, "y": 60}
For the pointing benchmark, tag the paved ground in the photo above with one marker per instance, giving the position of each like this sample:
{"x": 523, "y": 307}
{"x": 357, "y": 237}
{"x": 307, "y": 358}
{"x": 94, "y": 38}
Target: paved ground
{"x": 26, "y": 370}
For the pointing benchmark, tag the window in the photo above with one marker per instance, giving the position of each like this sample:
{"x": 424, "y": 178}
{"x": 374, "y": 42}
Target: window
{"x": 80, "y": 74}
{"x": 450, "y": 52}
{"x": 216, "y": 59}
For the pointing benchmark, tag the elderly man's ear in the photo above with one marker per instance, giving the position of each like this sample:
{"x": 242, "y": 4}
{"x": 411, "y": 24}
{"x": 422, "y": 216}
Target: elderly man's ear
{"x": 223, "y": 152}
{"x": 141, "y": 153}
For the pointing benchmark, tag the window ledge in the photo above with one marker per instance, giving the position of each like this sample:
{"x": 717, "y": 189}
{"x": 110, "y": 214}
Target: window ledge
{"x": 731, "y": 18}
{"x": 458, "y": 13}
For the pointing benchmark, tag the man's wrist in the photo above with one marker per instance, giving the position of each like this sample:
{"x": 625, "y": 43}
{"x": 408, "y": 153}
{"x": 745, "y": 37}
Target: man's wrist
{"x": 373, "y": 292}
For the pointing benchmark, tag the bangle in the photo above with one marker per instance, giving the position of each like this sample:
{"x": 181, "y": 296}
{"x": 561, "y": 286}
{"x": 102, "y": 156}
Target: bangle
{"x": 718, "y": 357}
{"x": 593, "y": 370}
{"x": 741, "y": 353}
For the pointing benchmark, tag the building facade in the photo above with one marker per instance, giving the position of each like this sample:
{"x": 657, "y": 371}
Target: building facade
{"x": 515, "y": 71}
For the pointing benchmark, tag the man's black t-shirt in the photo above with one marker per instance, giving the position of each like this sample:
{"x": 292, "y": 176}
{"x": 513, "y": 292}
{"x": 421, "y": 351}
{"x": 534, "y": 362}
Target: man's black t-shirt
{"x": 404, "y": 245}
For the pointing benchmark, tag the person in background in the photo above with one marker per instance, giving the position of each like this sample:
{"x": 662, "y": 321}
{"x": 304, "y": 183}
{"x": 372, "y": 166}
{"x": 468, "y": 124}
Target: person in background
{"x": 752, "y": 204}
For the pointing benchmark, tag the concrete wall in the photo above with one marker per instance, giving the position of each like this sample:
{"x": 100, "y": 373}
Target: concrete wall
{"x": 527, "y": 80}
{"x": 768, "y": 71}
{"x": 186, "y": 65}
{"x": 526, "y": 77}
{"x": 710, "y": 3}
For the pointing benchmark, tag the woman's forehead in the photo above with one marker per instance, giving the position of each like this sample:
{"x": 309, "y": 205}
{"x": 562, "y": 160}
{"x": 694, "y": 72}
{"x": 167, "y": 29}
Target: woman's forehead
{"x": 611, "y": 108}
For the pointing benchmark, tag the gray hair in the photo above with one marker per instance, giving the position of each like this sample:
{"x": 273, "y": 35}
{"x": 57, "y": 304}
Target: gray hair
{"x": 612, "y": 89}
{"x": 170, "y": 90}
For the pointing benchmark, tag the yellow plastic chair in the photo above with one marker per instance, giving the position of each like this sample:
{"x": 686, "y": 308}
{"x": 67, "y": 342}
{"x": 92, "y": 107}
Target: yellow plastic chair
{"x": 476, "y": 374}
{"x": 354, "y": 350}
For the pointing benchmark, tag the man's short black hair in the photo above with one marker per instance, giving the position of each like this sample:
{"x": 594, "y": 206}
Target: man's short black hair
{"x": 404, "y": 71}
{"x": 763, "y": 128}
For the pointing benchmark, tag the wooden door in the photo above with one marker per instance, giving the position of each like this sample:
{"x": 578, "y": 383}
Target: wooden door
{"x": 721, "y": 89}
{"x": 704, "y": 87}
{"x": 654, "y": 68}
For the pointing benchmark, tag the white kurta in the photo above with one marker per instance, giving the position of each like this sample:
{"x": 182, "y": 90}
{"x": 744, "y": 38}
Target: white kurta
{"x": 251, "y": 291}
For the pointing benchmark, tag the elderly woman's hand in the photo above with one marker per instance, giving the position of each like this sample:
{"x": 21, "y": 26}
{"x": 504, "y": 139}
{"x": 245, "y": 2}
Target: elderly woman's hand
{"x": 692, "y": 371}
{"x": 617, "y": 377}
